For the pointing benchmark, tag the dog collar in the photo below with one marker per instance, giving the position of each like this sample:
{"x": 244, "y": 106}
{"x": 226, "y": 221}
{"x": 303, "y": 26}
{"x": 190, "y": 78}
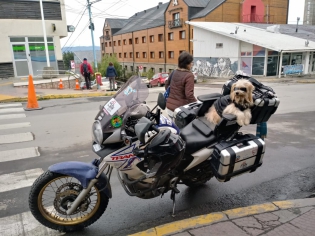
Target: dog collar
{"x": 242, "y": 107}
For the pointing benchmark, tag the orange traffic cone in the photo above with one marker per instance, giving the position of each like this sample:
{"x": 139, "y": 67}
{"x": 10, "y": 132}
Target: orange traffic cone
{"x": 32, "y": 103}
{"x": 77, "y": 86}
{"x": 60, "y": 84}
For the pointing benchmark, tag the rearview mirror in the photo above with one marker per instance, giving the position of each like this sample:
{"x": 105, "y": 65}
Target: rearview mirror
{"x": 161, "y": 101}
{"x": 141, "y": 128}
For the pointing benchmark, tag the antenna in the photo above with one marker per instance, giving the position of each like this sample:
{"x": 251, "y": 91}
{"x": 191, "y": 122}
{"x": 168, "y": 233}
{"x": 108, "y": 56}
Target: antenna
{"x": 236, "y": 29}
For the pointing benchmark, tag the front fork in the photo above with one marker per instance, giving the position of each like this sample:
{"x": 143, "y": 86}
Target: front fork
{"x": 74, "y": 205}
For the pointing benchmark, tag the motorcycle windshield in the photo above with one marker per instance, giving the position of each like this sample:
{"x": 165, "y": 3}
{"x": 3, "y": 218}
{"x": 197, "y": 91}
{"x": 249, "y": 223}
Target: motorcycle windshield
{"x": 114, "y": 113}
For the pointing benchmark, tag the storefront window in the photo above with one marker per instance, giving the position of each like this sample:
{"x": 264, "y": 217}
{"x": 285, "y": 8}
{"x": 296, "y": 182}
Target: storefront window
{"x": 258, "y": 65}
{"x": 38, "y": 56}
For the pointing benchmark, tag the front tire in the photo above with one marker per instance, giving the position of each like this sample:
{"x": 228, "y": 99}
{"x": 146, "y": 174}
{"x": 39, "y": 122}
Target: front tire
{"x": 59, "y": 220}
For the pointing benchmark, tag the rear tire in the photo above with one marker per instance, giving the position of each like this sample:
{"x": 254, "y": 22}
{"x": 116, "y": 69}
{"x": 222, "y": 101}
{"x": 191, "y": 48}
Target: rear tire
{"x": 198, "y": 175}
{"x": 48, "y": 220}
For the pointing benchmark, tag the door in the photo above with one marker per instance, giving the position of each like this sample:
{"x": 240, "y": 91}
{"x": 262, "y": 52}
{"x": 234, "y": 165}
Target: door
{"x": 21, "y": 57}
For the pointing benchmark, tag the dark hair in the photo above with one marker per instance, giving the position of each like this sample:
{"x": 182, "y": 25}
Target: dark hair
{"x": 184, "y": 60}
{"x": 84, "y": 59}
{"x": 110, "y": 64}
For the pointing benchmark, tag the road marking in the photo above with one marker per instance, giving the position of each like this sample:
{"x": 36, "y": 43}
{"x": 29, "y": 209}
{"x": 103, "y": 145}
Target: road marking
{"x": 11, "y": 105}
{"x": 24, "y": 224}
{"x": 18, "y": 154}
{"x": 9, "y": 110}
{"x": 16, "y": 180}
{"x": 16, "y": 138}
{"x": 12, "y": 116}
{"x": 15, "y": 125}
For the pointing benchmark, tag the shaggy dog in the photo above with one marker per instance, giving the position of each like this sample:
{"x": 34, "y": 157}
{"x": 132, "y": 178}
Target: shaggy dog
{"x": 237, "y": 103}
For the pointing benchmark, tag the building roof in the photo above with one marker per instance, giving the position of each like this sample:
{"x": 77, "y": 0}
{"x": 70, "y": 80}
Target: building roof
{"x": 116, "y": 23}
{"x": 304, "y": 31}
{"x": 197, "y": 3}
{"x": 253, "y": 35}
{"x": 147, "y": 19}
{"x": 212, "y": 4}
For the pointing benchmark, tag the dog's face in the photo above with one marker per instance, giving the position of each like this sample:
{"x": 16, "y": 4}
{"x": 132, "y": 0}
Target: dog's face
{"x": 241, "y": 91}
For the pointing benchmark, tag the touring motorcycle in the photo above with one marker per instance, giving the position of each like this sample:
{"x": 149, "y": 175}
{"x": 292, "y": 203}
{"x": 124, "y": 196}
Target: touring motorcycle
{"x": 151, "y": 154}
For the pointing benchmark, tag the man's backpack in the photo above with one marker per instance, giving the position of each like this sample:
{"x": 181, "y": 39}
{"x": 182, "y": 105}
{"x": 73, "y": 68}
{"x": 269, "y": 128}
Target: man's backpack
{"x": 85, "y": 68}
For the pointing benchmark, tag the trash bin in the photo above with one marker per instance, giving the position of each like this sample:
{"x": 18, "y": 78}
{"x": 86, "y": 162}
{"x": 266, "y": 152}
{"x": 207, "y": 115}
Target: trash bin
{"x": 98, "y": 78}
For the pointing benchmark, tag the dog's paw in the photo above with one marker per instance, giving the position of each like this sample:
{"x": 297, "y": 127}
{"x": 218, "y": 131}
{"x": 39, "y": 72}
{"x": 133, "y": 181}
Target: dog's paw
{"x": 240, "y": 121}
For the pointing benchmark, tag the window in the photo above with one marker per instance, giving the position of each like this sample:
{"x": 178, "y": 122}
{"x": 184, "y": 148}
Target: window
{"x": 171, "y": 54}
{"x": 114, "y": 43}
{"x": 119, "y": 42}
{"x": 160, "y": 37}
{"x": 170, "y": 70}
{"x": 126, "y": 68}
{"x": 120, "y": 55}
{"x": 102, "y": 46}
{"x": 106, "y": 44}
{"x": 151, "y": 54}
{"x": 177, "y": 22}
{"x": 219, "y": 45}
{"x": 110, "y": 44}
{"x": 153, "y": 70}
{"x": 144, "y": 55}
{"x": 130, "y": 41}
{"x": 137, "y": 54}
{"x": 144, "y": 40}
{"x": 110, "y": 54}
{"x": 170, "y": 36}
{"x": 160, "y": 70}
{"x": 181, "y": 51}
{"x": 125, "y": 42}
{"x": 136, "y": 40}
{"x": 176, "y": 16}
{"x": 125, "y": 55}
{"x": 144, "y": 69}
{"x": 131, "y": 68}
{"x": 182, "y": 34}
{"x": 151, "y": 38}
{"x": 130, "y": 55}
{"x": 161, "y": 54}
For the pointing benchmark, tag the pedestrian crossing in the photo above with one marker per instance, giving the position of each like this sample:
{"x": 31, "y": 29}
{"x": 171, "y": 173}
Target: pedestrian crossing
{"x": 14, "y": 131}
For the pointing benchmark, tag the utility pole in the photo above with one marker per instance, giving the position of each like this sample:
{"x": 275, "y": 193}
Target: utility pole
{"x": 44, "y": 29}
{"x": 92, "y": 29}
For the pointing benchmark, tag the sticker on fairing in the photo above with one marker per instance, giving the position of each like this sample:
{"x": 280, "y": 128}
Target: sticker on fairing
{"x": 116, "y": 121}
{"x": 129, "y": 90}
{"x": 112, "y": 106}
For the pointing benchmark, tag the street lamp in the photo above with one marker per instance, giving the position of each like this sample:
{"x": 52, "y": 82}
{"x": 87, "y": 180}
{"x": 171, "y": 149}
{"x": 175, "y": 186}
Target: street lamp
{"x": 44, "y": 30}
{"x": 297, "y": 24}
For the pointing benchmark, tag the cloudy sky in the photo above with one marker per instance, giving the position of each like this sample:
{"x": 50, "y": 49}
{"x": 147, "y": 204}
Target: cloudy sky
{"x": 123, "y": 9}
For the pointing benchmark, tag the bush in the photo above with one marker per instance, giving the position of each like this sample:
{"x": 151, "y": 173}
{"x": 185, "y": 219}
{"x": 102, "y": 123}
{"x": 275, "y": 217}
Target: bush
{"x": 105, "y": 63}
{"x": 150, "y": 74}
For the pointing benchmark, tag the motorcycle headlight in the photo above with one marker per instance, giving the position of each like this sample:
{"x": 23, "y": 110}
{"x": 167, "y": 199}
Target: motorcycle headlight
{"x": 97, "y": 132}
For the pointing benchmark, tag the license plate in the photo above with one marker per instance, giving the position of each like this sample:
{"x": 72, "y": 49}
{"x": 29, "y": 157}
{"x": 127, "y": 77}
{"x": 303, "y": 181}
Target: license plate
{"x": 97, "y": 147}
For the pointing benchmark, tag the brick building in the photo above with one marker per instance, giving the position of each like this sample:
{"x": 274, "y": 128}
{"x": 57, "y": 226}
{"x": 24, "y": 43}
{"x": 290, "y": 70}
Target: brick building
{"x": 154, "y": 38}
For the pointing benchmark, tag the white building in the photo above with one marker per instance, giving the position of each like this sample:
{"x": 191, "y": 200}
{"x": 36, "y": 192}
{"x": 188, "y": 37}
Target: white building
{"x": 220, "y": 49}
{"x": 21, "y": 38}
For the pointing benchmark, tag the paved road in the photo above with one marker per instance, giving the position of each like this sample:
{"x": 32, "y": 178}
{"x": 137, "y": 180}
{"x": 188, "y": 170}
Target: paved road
{"x": 61, "y": 132}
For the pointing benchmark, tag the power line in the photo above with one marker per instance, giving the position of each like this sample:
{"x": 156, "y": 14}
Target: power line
{"x": 75, "y": 27}
{"x": 85, "y": 27}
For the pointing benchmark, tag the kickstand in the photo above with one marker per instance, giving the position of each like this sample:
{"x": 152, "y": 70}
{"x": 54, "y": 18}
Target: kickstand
{"x": 174, "y": 202}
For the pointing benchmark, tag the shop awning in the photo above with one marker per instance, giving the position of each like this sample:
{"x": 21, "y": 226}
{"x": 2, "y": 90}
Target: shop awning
{"x": 261, "y": 37}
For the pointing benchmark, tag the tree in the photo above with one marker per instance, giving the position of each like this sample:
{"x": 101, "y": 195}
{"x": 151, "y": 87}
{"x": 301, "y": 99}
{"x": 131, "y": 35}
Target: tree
{"x": 150, "y": 74}
{"x": 105, "y": 63}
{"x": 67, "y": 57}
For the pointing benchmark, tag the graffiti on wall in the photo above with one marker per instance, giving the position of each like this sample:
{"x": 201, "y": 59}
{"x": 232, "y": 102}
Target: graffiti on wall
{"x": 293, "y": 69}
{"x": 215, "y": 67}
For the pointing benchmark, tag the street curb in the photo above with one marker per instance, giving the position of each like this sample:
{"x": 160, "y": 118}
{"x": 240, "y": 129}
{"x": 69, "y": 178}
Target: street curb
{"x": 208, "y": 219}
{"x": 57, "y": 96}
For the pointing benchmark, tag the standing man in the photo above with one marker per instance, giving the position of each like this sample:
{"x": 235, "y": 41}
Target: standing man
{"x": 111, "y": 74}
{"x": 86, "y": 70}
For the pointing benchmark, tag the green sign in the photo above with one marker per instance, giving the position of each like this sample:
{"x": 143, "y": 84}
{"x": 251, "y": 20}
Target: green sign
{"x": 18, "y": 48}
{"x": 32, "y": 48}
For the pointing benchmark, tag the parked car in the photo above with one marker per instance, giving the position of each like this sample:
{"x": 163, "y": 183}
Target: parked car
{"x": 158, "y": 79}
{"x": 145, "y": 80}
{"x": 83, "y": 84}
{"x": 106, "y": 84}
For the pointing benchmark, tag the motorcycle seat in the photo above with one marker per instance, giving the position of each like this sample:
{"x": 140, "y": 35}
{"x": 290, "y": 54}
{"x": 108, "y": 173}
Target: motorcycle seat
{"x": 207, "y": 101}
{"x": 198, "y": 134}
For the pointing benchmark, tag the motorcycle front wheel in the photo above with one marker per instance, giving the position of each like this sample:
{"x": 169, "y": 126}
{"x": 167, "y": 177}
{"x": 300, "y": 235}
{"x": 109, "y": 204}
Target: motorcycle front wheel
{"x": 49, "y": 198}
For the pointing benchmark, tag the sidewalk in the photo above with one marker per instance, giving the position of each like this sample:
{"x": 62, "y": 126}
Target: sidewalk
{"x": 282, "y": 218}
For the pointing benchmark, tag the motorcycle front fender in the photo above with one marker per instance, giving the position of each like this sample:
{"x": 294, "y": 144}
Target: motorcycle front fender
{"x": 84, "y": 172}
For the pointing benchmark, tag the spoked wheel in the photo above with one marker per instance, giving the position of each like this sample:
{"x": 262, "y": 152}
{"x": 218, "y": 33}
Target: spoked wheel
{"x": 52, "y": 193}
